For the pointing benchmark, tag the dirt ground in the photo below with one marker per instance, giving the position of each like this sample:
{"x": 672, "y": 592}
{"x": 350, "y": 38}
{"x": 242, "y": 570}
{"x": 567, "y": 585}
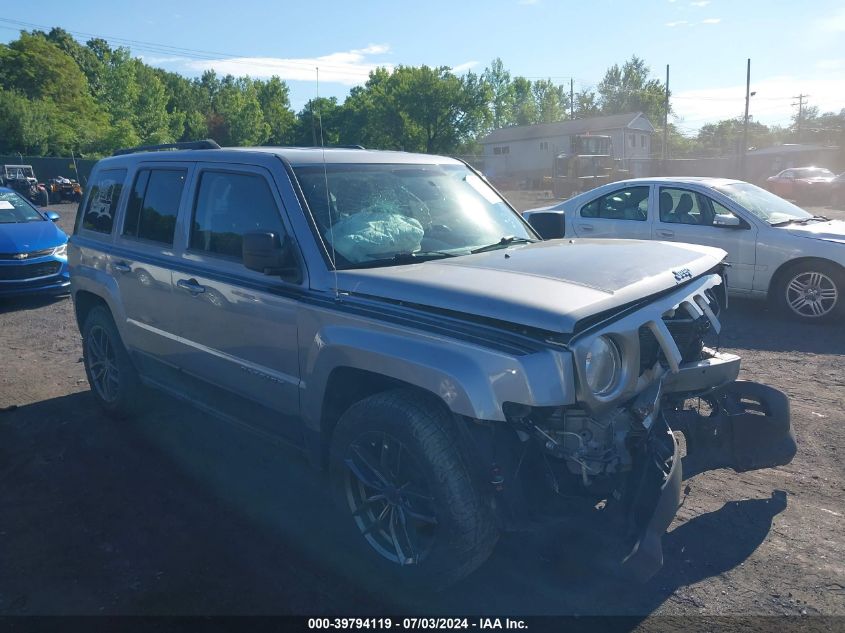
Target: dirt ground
{"x": 179, "y": 513}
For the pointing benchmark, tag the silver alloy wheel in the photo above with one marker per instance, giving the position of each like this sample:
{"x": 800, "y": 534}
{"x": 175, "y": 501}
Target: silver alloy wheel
{"x": 811, "y": 294}
{"x": 102, "y": 364}
{"x": 391, "y": 506}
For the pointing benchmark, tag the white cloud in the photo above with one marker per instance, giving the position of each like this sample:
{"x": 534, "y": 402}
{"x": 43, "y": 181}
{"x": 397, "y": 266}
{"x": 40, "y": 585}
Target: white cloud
{"x": 833, "y": 24}
{"x": 700, "y": 3}
{"x": 771, "y": 105}
{"x": 711, "y": 21}
{"x": 348, "y": 67}
{"x": 464, "y": 67}
{"x": 677, "y": 23}
{"x": 157, "y": 61}
{"x": 831, "y": 64}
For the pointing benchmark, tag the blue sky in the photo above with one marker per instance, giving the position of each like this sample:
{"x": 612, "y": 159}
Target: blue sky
{"x": 794, "y": 46}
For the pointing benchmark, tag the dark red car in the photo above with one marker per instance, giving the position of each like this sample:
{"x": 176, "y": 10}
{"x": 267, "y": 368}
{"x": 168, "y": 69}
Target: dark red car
{"x": 804, "y": 184}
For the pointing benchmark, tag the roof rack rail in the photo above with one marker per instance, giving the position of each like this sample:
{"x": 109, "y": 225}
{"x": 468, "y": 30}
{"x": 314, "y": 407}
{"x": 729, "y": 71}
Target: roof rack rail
{"x": 346, "y": 147}
{"x": 204, "y": 144}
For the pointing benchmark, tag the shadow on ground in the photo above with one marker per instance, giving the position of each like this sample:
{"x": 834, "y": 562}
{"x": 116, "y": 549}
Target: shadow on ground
{"x": 178, "y": 513}
{"x": 29, "y": 303}
{"x": 754, "y": 325}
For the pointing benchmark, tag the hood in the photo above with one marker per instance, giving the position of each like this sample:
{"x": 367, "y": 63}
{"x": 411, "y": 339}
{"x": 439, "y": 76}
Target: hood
{"x": 831, "y": 231}
{"x": 547, "y": 285}
{"x": 30, "y": 236}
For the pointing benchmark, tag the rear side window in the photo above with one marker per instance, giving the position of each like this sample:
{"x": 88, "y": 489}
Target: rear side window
{"x": 101, "y": 206}
{"x": 623, "y": 204}
{"x": 229, "y": 205}
{"x": 154, "y": 204}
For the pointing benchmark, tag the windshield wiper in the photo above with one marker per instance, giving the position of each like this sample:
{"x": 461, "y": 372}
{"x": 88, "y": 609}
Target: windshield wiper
{"x": 404, "y": 258}
{"x": 505, "y": 241}
{"x": 818, "y": 218}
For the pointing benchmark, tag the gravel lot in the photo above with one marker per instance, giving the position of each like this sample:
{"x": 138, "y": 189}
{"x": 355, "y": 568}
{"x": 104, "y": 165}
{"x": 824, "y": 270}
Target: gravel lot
{"x": 178, "y": 513}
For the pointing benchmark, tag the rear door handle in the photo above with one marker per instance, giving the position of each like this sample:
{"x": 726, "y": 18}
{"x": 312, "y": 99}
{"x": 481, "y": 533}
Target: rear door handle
{"x": 191, "y": 286}
{"x": 665, "y": 233}
{"x": 122, "y": 267}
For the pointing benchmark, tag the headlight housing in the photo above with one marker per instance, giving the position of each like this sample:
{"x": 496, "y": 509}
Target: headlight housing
{"x": 60, "y": 251}
{"x": 602, "y": 366}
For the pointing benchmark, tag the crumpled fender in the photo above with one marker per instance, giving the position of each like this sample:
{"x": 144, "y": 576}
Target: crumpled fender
{"x": 471, "y": 380}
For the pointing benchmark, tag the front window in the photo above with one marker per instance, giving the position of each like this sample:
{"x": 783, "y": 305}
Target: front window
{"x": 766, "y": 206}
{"x": 19, "y": 172}
{"x": 372, "y": 213}
{"x": 228, "y": 205}
{"x": 14, "y": 209}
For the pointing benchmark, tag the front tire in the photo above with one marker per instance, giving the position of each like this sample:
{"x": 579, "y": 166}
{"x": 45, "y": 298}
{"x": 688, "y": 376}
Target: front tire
{"x": 412, "y": 509}
{"x": 812, "y": 291}
{"x": 42, "y": 198}
{"x": 111, "y": 374}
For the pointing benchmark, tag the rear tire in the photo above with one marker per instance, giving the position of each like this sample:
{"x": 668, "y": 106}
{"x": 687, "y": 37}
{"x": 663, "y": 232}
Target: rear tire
{"x": 811, "y": 291}
{"x": 42, "y": 198}
{"x": 111, "y": 374}
{"x": 412, "y": 510}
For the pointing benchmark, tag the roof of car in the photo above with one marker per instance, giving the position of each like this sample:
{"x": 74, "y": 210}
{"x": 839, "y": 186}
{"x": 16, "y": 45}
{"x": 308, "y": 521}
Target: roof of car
{"x": 699, "y": 180}
{"x": 296, "y": 156}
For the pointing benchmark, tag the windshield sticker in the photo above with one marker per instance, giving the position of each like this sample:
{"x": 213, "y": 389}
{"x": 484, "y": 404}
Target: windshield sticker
{"x": 5, "y": 204}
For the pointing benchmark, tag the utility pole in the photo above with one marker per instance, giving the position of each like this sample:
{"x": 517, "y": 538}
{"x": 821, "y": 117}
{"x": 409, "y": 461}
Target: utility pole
{"x": 745, "y": 124}
{"x": 665, "y": 154}
{"x": 571, "y": 98}
{"x": 799, "y": 122}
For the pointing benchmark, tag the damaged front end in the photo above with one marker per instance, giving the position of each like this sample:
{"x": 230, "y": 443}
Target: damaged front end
{"x": 617, "y": 452}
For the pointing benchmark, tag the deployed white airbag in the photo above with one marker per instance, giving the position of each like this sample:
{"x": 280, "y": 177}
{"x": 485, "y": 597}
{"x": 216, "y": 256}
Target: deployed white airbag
{"x": 373, "y": 233}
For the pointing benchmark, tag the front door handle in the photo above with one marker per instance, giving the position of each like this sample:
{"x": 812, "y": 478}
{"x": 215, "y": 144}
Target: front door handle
{"x": 191, "y": 286}
{"x": 665, "y": 233}
{"x": 586, "y": 227}
{"x": 122, "y": 267}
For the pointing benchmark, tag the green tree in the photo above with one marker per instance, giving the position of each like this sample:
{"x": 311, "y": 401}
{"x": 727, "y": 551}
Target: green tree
{"x": 241, "y": 119}
{"x": 629, "y": 89}
{"x": 501, "y": 103}
{"x": 725, "y": 137}
{"x": 523, "y": 104}
{"x": 274, "y": 97}
{"x": 551, "y": 101}
{"x": 32, "y": 126}
{"x": 586, "y": 104}
{"x": 39, "y": 70}
{"x": 321, "y": 121}
{"x": 153, "y": 123}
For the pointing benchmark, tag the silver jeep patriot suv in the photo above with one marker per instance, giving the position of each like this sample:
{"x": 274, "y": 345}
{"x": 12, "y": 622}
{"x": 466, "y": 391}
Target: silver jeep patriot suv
{"x": 455, "y": 375}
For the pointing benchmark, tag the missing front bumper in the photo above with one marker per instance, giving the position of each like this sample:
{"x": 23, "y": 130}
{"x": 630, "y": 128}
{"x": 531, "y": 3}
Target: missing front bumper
{"x": 748, "y": 429}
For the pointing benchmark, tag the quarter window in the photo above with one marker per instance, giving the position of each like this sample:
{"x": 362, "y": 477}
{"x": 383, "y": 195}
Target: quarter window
{"x": 154, "y": 204}
{"x": 623, "y": 204}
{"x": 102, "y": 201}
{"x": 229, "y": 205}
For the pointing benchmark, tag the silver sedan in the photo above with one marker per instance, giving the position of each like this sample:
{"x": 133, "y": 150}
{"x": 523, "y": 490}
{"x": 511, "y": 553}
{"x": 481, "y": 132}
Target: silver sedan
{"x": 776, "y": 249}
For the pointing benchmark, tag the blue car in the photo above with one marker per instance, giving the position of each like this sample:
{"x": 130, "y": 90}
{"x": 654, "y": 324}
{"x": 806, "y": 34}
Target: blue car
{"x": 33, "y": 250}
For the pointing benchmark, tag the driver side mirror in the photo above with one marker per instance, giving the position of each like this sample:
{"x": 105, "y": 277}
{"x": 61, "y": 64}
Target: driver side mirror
{"x": 726, "y": 220}
{"x": 551, "y": 225}
{"x": 52, "y": 216}
{"x": 265, "y": 253}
